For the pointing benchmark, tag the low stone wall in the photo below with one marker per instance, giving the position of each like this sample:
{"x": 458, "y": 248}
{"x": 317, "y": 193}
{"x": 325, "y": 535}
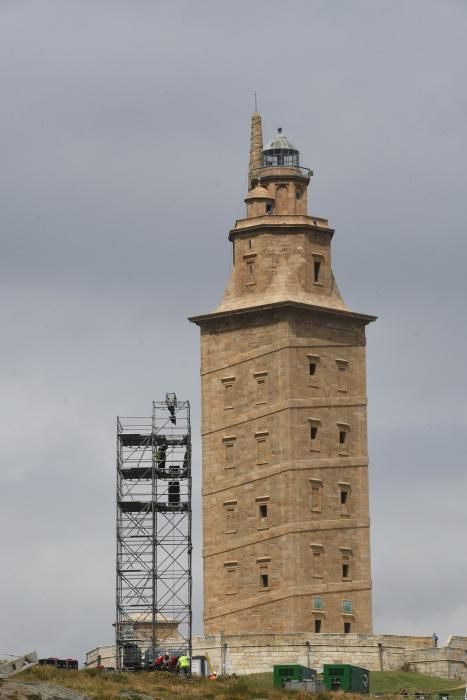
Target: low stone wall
{"x": 448, "y": 662}
{"x": 257, "y": 653}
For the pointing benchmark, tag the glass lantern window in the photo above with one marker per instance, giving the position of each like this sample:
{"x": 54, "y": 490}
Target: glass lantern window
{"x": 280, "y": 157}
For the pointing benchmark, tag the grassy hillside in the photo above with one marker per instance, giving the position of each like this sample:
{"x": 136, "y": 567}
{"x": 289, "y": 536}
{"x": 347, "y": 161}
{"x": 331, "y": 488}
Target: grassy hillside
{"x": 107, "y": 686}
{"x": 393, "y": 681}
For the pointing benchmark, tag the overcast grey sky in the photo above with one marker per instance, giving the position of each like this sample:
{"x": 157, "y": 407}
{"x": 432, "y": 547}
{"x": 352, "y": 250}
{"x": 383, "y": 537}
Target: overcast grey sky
{"x": 124, "y": 128}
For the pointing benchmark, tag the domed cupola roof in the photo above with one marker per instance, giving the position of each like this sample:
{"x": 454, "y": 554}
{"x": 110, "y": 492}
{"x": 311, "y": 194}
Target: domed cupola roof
{"x": 279, "y": 152}
{"x": 259, "y": 192}
{"x": 280, "y": 141}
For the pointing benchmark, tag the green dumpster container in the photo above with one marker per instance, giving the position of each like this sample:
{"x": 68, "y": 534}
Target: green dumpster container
{"x": 291, "y": 672}
{"x": 346, "y": 677}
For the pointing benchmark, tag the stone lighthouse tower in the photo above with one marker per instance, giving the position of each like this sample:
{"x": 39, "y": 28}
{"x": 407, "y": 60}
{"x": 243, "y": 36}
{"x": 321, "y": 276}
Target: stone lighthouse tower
{"x": 284, "y": 428}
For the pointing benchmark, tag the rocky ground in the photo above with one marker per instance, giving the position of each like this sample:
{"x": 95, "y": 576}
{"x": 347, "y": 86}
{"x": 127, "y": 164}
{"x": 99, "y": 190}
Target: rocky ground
{"x": 32, "y": 690}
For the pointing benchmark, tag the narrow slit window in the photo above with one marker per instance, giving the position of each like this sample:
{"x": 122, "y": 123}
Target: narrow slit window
{"x": 346, "y": 563}
{"x": 344, "y": 498}
{"x": 269, "y": 208}
{"x": 342, "y": 375}
{"x": 314, "y": 436}
{"x": 317, "y": 566}
{"x": 262, "y": 448}
{"x": 261, "y": 452}
{"x": 261, "y": 391}
{"x": 316, "y": 498}
{"x": 250, "y": 268}
{"x": 231, "y": 577}
{"x": 316, "y": 271}
{"x": 230, "y": 517}
{"x": 228, "y": 392}
{"x": 261, "y": 386}
{"x": 343, "y": 430}
{"x": 316, "y": 486}
{"x": 313, "y": 370}
{"x": 263, "y": 570}
{"x": 229, "y": 453}
{"x": 262, "y": 513}
{"x": 298, "y": 193}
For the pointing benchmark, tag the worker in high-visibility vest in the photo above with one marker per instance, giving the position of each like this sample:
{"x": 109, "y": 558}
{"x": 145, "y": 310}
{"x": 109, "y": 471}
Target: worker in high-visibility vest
{"x": 184, "y": 664}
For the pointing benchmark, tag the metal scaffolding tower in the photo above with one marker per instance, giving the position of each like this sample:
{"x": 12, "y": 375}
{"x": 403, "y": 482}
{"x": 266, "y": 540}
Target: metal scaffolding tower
{"x": 154, "y": 614}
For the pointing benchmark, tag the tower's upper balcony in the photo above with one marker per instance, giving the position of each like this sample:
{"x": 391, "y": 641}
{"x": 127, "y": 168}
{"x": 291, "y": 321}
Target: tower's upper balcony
{"x": 277, "y": 182}
{"x": 281, "y": 158}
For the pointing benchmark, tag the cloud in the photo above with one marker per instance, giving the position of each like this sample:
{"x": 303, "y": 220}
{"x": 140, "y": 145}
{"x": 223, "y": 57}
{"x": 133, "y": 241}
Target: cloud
{"x": 124, "y": 135}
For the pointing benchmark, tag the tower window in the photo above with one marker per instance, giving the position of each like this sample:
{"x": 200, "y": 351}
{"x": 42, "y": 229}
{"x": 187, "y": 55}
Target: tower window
{"x": 261, "y": 387}
{"x": 228, "y": 384}
{"x": 268, "y": 208}
{"x": 263, "y": 572}
{"x": 316, "y": 490}
{"x": 229, "y": 444}
{"x": 298, "y": 193}
{"x": 262, "y": 511}
{"x": 317, "y": 268}
{"x": 346, "y": 555}
{"x": 344, "y": 497}
{"x": 262, "y": 452}
{"x": 250, "y": 242}
{"x": 231, "y": 511}
{"x": 313, "y": 370}
{"x": 342, "y": 374}
{"x": 317, "y": 560}
{"x": 343, "y": 437}
{"x": 347, "y": 607}
{"x": 347, "y": 627}
{"x": 250, "y": 268}
{"x": 231, "y": 577}
{"x": 314, "y": 434}
{"x": 317, "y": 602}
{"x": 261, "y": 391}
{"x": 318, "y": 625}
